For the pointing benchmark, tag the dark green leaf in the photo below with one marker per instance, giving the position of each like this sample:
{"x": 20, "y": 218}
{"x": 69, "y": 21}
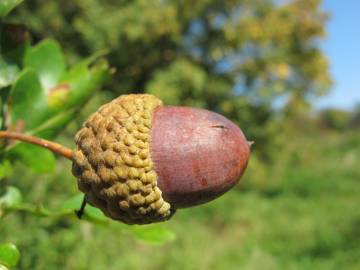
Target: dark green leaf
{"x": 154, "y": 233}
{"x": 14, "y": 42}
{"x": 7, "y": 5}
{"x": 4, "y": 94}
{"x": 27, "y": 101}
{"x": 9, "y": 255}
{"x": 48, "y": 61}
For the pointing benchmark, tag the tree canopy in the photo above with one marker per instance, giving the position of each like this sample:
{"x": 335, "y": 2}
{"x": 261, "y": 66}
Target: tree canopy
{"x": 199, "y": 53}
{"x": 236, "y": 57}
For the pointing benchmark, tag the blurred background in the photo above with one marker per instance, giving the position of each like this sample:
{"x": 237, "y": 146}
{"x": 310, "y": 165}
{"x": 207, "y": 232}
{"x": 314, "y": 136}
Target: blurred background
{"x": 285, "y": 71}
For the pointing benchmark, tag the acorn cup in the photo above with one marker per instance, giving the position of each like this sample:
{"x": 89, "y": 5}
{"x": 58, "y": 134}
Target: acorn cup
{"x": 139, "y": 161}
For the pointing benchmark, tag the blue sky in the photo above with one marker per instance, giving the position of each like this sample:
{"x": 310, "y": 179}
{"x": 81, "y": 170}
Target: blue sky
{"x": 342, "y": 47}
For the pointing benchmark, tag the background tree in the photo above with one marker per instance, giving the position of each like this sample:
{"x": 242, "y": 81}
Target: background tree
{"x": 335, "y": 119}
{"x": 234, "y": 57}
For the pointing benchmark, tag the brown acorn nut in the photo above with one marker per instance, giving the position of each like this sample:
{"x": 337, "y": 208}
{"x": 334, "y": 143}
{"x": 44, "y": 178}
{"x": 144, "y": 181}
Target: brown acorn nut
{"x": 138, "y": 161}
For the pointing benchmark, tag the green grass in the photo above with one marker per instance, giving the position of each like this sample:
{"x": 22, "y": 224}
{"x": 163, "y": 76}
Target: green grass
{"x": 301, "y": 213}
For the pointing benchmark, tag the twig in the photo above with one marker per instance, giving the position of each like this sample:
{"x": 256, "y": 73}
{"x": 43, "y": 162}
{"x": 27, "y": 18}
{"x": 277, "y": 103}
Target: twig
{"x": 52, "y": 146}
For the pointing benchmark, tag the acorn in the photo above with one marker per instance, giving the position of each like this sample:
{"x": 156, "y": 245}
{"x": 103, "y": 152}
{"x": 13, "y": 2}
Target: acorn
{"x": 139, "y": 161}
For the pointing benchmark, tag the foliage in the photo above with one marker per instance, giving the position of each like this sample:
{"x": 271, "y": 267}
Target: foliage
{"x": 235, "y": 56}
{"x": 335, "y": 119}
{"x": 9, "y": 255}
{"x": 355, "y": 117}
{"x": 296, "y": 207}
{"x": 7, "y": 5}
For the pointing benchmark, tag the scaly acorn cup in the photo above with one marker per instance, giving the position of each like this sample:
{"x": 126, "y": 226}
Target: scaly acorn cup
{"x": 139, "y": 161}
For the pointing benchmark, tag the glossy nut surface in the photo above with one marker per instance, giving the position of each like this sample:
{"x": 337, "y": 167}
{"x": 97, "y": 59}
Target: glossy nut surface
{"x": 198, "y": 154}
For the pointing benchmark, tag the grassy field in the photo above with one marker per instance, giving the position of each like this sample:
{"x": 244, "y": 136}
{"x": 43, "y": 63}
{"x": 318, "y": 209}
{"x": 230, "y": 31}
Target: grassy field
{"x": 301, "y": 213}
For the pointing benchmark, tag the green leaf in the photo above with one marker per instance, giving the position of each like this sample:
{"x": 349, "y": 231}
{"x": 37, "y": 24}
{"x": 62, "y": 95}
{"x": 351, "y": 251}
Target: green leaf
{"x": 91, "y": 213}
{"x": 7, "y": 5}
{"x": 39, "y": 159}
{"x": 75, "y": 89}
{"x": 9, "y": 255}
{"x": 48, "y": 60}
{"x": 95, "y": 215}
{"x": 52, "y": 126}
{"x": 84, "y": 78}
{"x": 72, "y": 203}
{"x": 8, "y": 72}
{"x": 3, "y": 267}
{"x": 5, "y": 168}
{"x": 153, "y": 234}
{"x": 67, "y": 209}
{"x": 12, "y": 198}
{"x": 45, "y": 160}
{"x": 33, "y": 112}
{"x": 27, "y": 101}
